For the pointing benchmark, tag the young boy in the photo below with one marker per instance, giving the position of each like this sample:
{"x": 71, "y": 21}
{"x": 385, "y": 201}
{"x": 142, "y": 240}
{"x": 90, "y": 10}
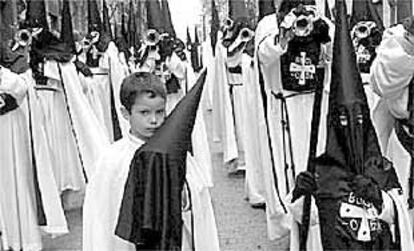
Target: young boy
{"x": 143, "y": 98}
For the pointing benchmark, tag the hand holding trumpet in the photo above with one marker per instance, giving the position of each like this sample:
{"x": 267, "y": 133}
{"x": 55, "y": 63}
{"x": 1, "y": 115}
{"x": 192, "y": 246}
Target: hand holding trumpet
{"x": 284, "y": 37}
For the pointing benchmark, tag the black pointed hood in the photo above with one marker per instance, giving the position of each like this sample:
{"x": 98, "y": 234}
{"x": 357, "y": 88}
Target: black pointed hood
{"x": 150, "y": 215}
{"x": 95, "y": 24}
{"x": 404, "y": 9}
{"x": 36, "y": 14}
{"x": 189, "y": 43}
{"x": 66, "y": 34}
{"x": 8, "y": 58}
{"x": 351, "y": 137}
{"x": 328, "y": 13}
{"x": 94, "y": 19}
{"x": 287, "y": 5}
{"x": 120, "y": 34}
{"x": 106, "y": 20}
{"x": 154, "y": 15}
{"x": 124, "y": 30}
{"x": 238, "y": 10}
{"x": 7, "y": 20}
{"x": 364, "y": 10}
{"x": 174, "y": 137}
{"x": 16, "y": 61}
{"x": 215, "y": 26}
{"x": 132, "y": 32}
{"x": 266, "y": 7}
{"x": 166, "y": 14}
{"x": 239, "y": 14}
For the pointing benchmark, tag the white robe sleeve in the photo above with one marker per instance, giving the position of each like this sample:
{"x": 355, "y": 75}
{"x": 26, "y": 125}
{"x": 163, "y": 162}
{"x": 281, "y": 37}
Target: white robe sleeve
{"x": 392, "y": 71}
{"x": 269, "y": 51}
{"x": 13, "y": 85}
{"x": 295, "y": 208}
{"x": 393, "y": 202}
{"x": 178, "y": 67}
{"x": 103, "y": 199}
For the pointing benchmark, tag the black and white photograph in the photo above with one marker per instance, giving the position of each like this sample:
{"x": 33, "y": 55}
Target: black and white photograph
{"x": 206, "y": 125}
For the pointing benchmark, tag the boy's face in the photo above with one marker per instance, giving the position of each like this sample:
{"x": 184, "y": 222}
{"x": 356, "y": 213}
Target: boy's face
{"x": 146, "y": 116}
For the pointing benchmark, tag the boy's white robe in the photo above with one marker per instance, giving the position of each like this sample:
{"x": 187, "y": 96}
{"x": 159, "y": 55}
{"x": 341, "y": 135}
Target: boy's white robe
{"x": 17, "y": 200}
{"x": 300, "y": 114}
{"x": 105, "y": 191}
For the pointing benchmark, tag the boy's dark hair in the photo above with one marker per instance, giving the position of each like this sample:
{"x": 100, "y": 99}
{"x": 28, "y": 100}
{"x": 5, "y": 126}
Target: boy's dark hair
{"x": 140, "y": 83}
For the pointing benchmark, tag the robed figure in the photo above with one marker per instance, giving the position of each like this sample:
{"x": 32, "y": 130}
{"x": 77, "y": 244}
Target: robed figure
{"x": 356, "y": 196}
{"x": 390, "y": 78}
{"x": 293, "y": 54}
{"x": 30, "y": 201}
{"x": 157, "y": 197}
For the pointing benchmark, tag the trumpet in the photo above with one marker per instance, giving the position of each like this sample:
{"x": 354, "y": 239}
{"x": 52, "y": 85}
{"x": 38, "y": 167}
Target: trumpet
{"x": 22, "y": 38}
{"x": 246, "y": 34}
{"x": 363, "y": 29}
{"x": 228, "y": 24}
{"x": 152, "y": 38}
{"x": 303, "y": 26}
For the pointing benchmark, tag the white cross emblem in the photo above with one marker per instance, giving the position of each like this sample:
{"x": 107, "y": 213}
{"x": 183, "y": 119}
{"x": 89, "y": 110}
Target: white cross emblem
{"x": 362, "y": 216}
{"x": 302, "y": 69}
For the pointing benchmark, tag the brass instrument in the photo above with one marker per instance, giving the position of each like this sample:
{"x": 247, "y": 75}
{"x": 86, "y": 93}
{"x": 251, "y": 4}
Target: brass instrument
{"x": 152, "y": 37}
{"x": 22, "y": 38}
{"x": 228, "y": 24}
{"x": 300, "y": 20}
{"x": 362, "y": 29}
{"x": 303, "y": 26}
{"x": 245, "y": 35}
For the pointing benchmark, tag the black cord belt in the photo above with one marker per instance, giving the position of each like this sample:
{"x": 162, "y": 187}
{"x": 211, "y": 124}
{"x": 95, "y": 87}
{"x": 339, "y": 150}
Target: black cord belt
{"x": 287, "y": 134}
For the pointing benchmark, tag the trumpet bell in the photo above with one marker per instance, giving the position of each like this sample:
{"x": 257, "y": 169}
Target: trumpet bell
{"x": 303, "y": 26}
{"x": 246, "y": 35}
{"x": 363, "y": 29}
{"x": 152, "y": 38}
{"x": 228, "y": 23}
{"x": 23, "y": 38}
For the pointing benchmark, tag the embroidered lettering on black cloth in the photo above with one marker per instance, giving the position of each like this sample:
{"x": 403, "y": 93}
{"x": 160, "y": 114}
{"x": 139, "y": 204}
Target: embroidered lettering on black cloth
{"x": 359, "y": 219}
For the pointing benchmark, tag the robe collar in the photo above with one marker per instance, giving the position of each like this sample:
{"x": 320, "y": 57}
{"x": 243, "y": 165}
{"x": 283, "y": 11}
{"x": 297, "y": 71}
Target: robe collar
{"x": 134, "y": 140}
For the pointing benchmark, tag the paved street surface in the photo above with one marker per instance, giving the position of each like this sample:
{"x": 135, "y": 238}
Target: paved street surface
{"x": 240, "y": 227}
